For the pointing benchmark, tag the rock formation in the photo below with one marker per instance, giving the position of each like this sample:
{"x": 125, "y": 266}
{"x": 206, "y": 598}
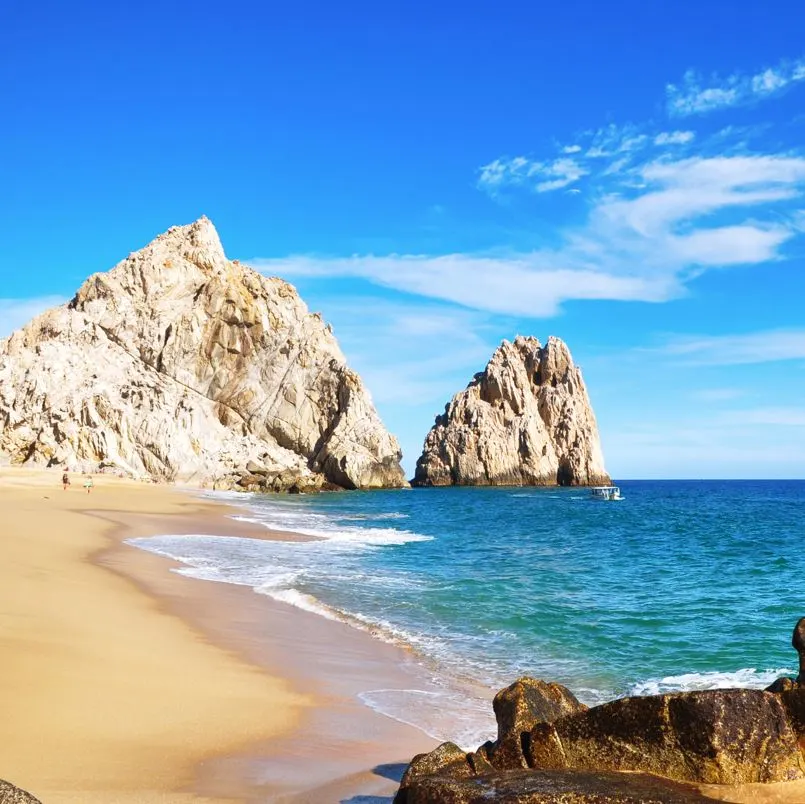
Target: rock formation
{"x": 731, "y": 736}
{"x": 9, "y": 794}
{"x": 180, "y": 364}
{"x": 525, "y": 420}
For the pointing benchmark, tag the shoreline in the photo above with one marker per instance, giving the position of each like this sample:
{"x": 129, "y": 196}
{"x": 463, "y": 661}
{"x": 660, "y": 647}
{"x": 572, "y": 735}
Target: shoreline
{"x": 326, "y": 742}
{"x": 127, "y": 681}
{"x": 337, "y": 742}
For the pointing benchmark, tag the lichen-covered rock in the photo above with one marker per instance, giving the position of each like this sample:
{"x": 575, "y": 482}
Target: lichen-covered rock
{"x": 525, "y": 420}
{"x": 9, "y": 794}
{"x": 519, "y": 708}
{"x": 552, "y": 787}
{"x": 715, "y": 737}
{"x": 180, "y": 364}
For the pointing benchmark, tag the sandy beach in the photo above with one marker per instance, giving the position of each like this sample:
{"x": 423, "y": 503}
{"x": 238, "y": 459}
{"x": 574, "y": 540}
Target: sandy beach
{"x": 124, "y": 682}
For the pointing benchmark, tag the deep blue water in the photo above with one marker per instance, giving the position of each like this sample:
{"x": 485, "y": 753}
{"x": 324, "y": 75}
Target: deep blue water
{"x": 681, "y": 585}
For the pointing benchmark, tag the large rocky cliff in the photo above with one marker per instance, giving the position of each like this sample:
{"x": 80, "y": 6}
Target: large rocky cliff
{"x": 180, "y": 364}
{"x": 525, "y": 420}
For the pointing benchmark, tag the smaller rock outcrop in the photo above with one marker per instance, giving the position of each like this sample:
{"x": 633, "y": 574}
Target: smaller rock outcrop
{"x": 9, "y": 794}
{"x": 519, "y": 708}
{"x": 525, "y": 420}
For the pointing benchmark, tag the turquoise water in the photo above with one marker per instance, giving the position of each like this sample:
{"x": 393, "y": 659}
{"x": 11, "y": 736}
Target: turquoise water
{"x": 681, "y": 585}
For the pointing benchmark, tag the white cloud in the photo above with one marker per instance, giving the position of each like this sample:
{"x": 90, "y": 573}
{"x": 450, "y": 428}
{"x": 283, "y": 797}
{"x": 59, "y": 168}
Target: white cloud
{"x": 494, "y": 173}
{"x": 767, "y": 346}
{"x": 688, "y": 189}
{"x": 768, "y": 81}
{"x": 565, "y": 171}
{"x": 614, "y": 139}
{"x": 674, "y": 137}
{"x": 539, "y": 176}
{"x": 606, "y": 151}
{"x": 695, "y": 95}
{"x": 529, "y": 284}
{"x": 15, "y": 313}
{"x": 637, "y": 246}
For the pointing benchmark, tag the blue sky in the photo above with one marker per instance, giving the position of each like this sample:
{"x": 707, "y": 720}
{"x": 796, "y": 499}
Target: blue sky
{"x": 437, "y": 177}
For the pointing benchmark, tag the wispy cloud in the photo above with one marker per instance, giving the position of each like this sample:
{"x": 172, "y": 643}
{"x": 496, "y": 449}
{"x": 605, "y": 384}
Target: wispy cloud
{"x": 674, "y": 137}
{"x": 699, "y": 95}
{"x": 766, "y": 346}
{"x": 15, "y": 313}
{"x": 541, "y": 177}
{"x": 531, "y": 285}
{"x": 600, "y": 152}
{"x": 637, "y": 245}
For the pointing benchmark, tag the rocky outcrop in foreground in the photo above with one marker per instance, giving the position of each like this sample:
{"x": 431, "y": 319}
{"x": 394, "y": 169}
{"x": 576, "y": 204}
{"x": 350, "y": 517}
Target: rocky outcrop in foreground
{"x": 525, "y": 420}
{"x": 179, "y": 364}
{"x": 13, "y": 795}
{"x": 551, "y": 749}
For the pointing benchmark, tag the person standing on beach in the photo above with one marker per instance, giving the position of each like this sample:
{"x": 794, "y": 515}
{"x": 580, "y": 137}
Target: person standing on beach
{"x": 65, "y": 480}
{"x": 88, "y": 484}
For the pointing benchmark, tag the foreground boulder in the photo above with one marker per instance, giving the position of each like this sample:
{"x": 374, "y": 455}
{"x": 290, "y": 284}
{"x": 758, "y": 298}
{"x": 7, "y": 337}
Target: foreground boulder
{"x": 717, "y": 736}
{"x": 179, "y": 364}
{"x": 552, "y": 787}
{"x": 13, "y": 795}
{"x": 525, "y": 420}
{"x": 519, "y": 708}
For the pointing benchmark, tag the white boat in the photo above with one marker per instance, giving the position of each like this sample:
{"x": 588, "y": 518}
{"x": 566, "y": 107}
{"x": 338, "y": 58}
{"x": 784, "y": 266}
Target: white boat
{"x": 606, "y": 493}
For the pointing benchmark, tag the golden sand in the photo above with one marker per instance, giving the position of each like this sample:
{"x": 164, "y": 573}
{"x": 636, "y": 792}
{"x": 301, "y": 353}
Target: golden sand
{"x": 105, "y": 696}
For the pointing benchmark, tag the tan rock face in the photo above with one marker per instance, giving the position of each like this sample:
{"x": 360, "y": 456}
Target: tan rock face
{"x": 730, "y": 736}
{"x": 183, "y": 365}
{"x": 525, "y": 420}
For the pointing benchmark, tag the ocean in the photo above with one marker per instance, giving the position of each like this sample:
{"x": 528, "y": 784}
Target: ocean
{"x": 681, "y": 585}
